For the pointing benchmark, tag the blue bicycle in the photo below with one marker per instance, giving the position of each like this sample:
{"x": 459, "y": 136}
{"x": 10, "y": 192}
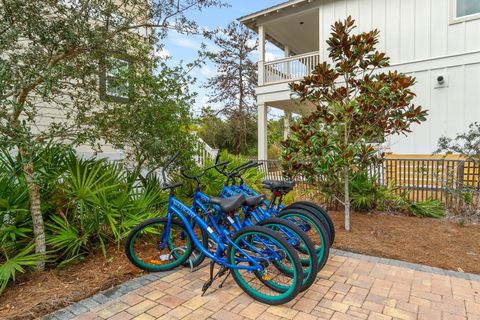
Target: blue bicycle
{"x": 251, "y": 254}
{"x": 308, "y": 220}
{"x": 204, "y": 206}
{"x": 279, "y": 189}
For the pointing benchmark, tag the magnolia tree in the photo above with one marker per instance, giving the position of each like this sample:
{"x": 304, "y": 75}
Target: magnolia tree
{"x": 356, "y": 105}
{"x": 62, "y": 79}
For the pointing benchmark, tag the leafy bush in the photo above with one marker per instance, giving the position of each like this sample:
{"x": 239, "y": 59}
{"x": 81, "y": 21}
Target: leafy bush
{"x": 213, "y": 181}
{"x": 428, "y": 209}
{"x": 367, "y": 195}
{"x": 86, "y": 204}
{"x": 364, "y": 192}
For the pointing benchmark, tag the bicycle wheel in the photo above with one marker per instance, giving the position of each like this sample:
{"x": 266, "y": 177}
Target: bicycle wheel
{"x": 302, "y": 243}
{"x": 315, "y": 230}
{"x": 256, "y": 249}
{"x": 154, "y": 245}
{"x": 319, "y": 213}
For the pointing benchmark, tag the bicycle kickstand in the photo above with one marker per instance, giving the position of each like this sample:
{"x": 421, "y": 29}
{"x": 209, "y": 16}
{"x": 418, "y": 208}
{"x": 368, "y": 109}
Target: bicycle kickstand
{"x": 225, "y": 279}
{"x": 207, "y": 284}
{"x": 219, "y": 274}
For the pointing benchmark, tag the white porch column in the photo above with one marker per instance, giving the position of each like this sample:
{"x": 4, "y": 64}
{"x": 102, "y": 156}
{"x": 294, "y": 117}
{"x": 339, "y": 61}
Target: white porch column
{"x": 286, "y": 124}
{"x": 320, "y": 35}
{"x": 261, "y": 55}
{"x": 286, "y": 53}
{"x": 262, "y": 132}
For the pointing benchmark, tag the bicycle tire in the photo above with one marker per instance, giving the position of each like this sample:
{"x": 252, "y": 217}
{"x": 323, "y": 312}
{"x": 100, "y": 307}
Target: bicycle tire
{"x": 141, "y": 264}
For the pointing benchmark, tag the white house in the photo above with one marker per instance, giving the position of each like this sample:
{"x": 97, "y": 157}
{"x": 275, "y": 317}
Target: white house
{"x": 437, "y": 41}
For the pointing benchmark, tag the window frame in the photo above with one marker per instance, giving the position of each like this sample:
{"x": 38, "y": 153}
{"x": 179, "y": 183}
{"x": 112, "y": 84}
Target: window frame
{"x": 103, "y": 77}
{"x": 453, "y": 14}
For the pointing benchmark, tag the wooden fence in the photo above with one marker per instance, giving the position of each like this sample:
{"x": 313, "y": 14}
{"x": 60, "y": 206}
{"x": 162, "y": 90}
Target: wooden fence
{"x": 420, "y": 178}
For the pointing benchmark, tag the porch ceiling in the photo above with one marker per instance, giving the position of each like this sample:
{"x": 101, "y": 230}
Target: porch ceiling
{"x": 293, "y": 106}
{"x": 300, "y": 32}
{"x": 283, "y": 28}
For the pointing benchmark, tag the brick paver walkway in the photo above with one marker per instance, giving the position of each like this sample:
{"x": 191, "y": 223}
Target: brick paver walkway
{"x": 347, "y": 288}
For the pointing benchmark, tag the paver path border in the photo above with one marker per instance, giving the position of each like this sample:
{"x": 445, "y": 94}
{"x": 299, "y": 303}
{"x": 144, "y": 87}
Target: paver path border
{"x": 104, "y": 297}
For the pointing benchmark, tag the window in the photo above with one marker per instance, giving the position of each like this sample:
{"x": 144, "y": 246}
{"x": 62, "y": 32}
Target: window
{"x": 464, "y": 10}
{"x": 114, "y": 79}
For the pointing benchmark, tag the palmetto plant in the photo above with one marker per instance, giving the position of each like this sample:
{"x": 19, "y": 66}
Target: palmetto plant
{"x": 364, "y": 192}
{"x": 87, "y": 204}
{"x": 10, "y": 265}
{"x": 428, "y": 209}
{"x": 16, "y": 233}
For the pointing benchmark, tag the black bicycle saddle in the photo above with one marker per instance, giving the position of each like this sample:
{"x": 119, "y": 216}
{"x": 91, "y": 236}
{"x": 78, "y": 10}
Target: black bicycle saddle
{"x": 229, "y": 204}
{"x": 255, "y": 201}
{"x": 274, "y": 185}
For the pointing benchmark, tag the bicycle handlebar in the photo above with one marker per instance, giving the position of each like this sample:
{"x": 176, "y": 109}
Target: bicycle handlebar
{"x": 246, "y": 164}
{"x": 169, "y": 162}
{"x": 238, "y": 173}
{"x": 204, "y": 170}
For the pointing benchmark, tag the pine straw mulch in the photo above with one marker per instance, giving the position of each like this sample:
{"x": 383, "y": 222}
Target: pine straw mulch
{"x": 33, "y": 295}
{"x": 438, "y": 243}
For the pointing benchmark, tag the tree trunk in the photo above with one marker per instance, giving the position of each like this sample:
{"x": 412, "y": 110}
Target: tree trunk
{"x": 347, "y": 200}
{"x": 35, "y": 209}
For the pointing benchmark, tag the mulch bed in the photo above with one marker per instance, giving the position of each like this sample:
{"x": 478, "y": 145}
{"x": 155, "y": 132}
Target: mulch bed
{"x": 438, "y": 243}
{"x": 34, "y": 295}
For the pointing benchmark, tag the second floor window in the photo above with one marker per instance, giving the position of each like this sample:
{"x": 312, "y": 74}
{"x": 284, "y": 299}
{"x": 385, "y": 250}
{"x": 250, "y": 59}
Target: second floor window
{"x": 114, "y": 80}
{"x": 465, "y": 10}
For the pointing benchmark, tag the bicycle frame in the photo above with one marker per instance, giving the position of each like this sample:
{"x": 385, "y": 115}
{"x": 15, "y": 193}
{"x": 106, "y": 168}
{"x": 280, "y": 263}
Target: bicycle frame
{"x": 260, "y": 213}
{"x": 176, "y": 207}
{"x": 200, "y": 199}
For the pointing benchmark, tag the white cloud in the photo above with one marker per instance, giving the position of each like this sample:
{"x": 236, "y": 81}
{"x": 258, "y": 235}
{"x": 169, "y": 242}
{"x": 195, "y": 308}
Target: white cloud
{"x": 185, "y": 42}
{"x": 251, "y": 43}
{"x": 208, "y": 71}
{"x": 270, "y": 56}
{"x": 163, "y": 53}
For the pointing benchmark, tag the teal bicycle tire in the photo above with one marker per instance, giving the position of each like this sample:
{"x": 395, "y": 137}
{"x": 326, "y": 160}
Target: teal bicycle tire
{"x": 141, "y": 264}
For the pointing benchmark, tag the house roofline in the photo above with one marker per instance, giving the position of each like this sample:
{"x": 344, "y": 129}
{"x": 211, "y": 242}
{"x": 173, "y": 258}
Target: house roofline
{"x": 249, "y": 19}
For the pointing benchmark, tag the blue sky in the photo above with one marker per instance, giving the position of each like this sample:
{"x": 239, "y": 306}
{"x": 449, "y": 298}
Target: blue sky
{"x": 184, "y": 48}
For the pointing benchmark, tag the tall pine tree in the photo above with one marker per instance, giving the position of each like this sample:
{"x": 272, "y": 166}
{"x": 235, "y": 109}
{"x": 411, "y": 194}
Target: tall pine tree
{"x": 233, "y": 88}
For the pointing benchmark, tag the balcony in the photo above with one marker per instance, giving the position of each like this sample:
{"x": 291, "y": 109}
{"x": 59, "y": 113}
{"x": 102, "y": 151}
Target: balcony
{"x": 289, "y": 69}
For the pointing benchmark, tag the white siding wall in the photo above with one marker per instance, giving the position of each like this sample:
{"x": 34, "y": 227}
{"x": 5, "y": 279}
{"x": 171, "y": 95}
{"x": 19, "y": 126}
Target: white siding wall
{"x": 49, "y": 115}
{"x": 412, "y": 31}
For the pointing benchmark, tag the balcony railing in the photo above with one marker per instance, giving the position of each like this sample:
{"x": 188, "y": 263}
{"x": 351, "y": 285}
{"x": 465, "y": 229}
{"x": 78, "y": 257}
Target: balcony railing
{"x": 291, "y": 68}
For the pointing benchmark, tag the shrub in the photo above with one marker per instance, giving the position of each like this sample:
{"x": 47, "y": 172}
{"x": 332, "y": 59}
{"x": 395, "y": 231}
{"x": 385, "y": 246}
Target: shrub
{"x": 213, "y": 181}
{"x": 428, "y": 209}
{"x": 355, "y": 105}
{"x": 364, "y": 192}
{"x": 86, "y": 205}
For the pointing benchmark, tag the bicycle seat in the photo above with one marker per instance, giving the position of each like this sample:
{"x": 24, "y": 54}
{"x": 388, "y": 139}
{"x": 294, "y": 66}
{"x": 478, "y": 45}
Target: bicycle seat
{"x": 255, "y": 201}
{"x": 275, "y": 185}
{"x": 229, "y": 204}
